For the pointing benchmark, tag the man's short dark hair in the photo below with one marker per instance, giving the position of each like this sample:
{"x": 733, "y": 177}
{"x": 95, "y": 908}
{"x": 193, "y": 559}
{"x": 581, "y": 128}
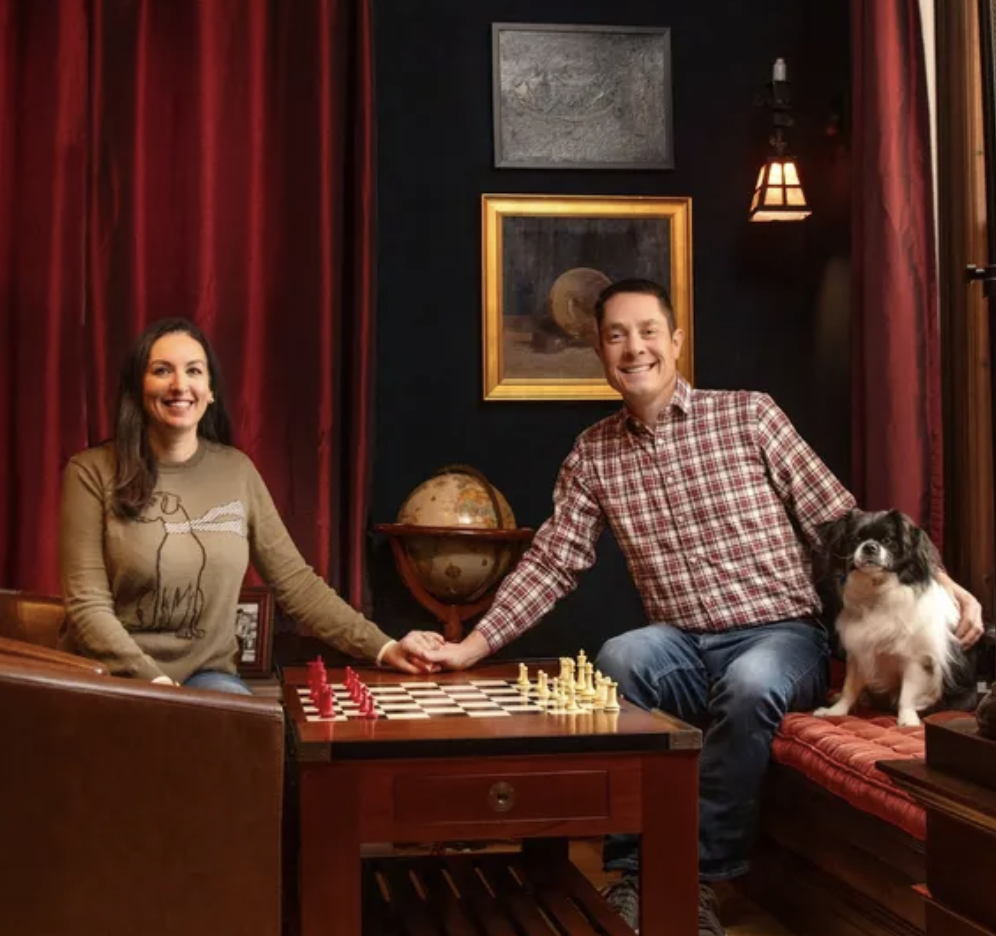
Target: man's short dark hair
{"x": 642, "y": 286}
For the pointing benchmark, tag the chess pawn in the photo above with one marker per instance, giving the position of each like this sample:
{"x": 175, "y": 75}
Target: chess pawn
{"x": 542, "y": 692}
{"x": 601, "y": 693}
{"x": 326, "y": 702}
{"x": 612, "y": 699}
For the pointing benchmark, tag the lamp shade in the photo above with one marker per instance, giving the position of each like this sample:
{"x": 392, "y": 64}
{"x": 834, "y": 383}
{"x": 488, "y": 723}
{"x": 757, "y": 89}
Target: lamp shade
{"x": 778, "y": 195}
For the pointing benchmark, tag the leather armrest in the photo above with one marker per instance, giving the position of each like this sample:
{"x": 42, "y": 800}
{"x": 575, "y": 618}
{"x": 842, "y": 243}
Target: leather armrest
{"x": 129, "y": 806}
{"x": 26, "y": 651}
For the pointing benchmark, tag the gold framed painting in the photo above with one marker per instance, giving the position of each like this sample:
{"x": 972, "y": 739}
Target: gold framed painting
{"x": 545, "y": 259}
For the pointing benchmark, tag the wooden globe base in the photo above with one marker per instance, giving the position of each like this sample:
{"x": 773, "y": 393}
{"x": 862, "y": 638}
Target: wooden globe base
{"x": 451, "y": 615}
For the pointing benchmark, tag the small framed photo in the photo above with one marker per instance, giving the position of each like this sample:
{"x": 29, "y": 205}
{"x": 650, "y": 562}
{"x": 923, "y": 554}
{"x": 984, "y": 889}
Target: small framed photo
{"x": 254, "y": 631}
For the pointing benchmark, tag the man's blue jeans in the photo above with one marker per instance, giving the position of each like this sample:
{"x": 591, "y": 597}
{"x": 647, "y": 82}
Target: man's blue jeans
{"x": 739, "y": 683}
{"x": 216, "y": 681}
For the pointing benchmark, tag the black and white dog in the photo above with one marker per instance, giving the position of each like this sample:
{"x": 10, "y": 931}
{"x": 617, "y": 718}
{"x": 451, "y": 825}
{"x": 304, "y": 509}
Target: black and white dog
{"x": 897, "y": 623}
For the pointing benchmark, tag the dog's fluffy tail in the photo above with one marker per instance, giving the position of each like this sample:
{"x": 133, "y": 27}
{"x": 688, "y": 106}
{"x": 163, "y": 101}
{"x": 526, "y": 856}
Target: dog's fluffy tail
{"x": 960, "y": 690}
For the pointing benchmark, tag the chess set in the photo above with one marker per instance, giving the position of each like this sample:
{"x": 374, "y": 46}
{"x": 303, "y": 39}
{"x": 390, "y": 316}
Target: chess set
{"x": 576, "y": 690}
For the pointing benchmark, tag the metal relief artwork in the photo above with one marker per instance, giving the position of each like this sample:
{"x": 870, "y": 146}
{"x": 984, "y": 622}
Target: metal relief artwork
{"x": 582, "y": 97}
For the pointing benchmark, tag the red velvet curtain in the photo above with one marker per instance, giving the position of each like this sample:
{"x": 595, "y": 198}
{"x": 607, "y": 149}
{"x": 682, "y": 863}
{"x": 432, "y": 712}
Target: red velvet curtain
{"x": 897, "y": 439}
{"x": 207, "y": 159}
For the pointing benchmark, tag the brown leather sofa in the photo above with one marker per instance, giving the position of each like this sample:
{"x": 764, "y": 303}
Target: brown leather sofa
{"x": 129, "y": 808}
{"x": 30, "y": 617}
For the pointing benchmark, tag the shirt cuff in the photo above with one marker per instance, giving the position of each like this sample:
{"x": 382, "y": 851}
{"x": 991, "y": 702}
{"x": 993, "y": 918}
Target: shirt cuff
{"x": 383, "y": 650}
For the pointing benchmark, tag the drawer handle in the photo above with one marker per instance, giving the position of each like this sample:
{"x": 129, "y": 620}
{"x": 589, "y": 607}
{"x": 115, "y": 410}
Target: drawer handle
{"x": 501, "y": 796}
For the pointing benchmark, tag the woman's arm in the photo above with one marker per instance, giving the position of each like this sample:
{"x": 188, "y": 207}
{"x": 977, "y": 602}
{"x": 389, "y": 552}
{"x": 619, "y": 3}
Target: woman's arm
{"x": 92, "y": 620}
{"x": 307, "y": 598}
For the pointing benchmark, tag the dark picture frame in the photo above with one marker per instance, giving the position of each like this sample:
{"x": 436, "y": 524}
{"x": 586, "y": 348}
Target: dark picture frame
{"x": 254, "y": 631}
{"x": 582, "y": 97}
{"x": 545, "y": 258}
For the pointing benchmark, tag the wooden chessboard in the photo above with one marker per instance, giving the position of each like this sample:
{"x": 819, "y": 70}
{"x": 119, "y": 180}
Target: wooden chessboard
{"x": 415, "y": 699}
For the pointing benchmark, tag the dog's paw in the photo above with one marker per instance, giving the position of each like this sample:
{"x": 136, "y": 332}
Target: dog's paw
{"x": 908, "y": 719}
{"x": 832, "y": 711}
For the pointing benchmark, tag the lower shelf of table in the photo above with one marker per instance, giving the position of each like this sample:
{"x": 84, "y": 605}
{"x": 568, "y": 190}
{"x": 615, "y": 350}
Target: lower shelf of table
{"x": 502, "y": 894}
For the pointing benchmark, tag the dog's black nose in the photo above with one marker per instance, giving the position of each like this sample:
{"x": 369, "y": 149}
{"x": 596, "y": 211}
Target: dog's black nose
{"x": 869, "y": 548}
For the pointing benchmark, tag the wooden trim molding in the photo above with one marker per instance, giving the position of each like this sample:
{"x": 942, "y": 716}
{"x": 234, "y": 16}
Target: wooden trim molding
{"x": 970, "y": 542}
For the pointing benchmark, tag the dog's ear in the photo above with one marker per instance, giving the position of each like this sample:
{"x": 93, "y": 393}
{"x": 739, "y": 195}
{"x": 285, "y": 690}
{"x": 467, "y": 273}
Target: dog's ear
{"x": 834, "y": 537}
{"x": 922, "y": 557}
{"x": 902, "y": 524}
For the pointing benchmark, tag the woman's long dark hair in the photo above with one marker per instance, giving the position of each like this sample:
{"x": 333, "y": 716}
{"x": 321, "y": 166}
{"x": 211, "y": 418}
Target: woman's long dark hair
{"x": 136, "y": 471}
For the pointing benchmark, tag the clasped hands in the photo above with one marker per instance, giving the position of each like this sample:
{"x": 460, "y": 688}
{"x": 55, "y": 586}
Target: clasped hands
{"x": 428, "y": 652}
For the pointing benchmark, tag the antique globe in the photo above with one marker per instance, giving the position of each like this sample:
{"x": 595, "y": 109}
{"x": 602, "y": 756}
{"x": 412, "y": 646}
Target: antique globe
{"x": 457, "y": 569}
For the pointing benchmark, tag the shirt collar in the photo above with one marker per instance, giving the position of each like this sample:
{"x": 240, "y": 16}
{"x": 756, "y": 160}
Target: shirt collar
{"x": 681, "y": 400}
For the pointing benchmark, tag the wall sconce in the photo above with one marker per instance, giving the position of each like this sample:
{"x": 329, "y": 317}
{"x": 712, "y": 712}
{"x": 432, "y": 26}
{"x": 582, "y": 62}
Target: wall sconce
{"x": 778, "y": 195}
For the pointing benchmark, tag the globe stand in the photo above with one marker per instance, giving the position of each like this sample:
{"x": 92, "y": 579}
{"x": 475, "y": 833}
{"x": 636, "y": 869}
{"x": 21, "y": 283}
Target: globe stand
{"x": 451, "y": 615}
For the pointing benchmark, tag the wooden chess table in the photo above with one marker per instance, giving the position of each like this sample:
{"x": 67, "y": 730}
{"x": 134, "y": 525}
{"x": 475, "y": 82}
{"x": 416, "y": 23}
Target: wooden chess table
{"x": 530, "y": 776}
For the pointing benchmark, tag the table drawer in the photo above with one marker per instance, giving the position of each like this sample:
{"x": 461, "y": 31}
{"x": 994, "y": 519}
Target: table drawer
{"x": 501, "y": 797}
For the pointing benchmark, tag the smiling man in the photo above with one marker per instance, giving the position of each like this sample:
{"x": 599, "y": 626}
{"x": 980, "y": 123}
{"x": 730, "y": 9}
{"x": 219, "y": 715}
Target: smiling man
{"x": 717, "y": 504}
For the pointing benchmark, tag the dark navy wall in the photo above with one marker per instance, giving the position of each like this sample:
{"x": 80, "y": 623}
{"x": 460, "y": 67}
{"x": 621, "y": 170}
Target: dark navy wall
{"x": 768, "y": 312}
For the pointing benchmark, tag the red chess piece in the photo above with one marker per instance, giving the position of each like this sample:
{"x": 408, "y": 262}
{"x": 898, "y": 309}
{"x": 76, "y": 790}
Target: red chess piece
{"x": 326, "y": 702}
{"x": 367, "y": 709}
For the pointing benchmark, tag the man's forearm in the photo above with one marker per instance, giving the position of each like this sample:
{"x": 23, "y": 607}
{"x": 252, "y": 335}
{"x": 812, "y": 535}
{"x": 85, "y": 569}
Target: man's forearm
{"x": 475, "y": 647}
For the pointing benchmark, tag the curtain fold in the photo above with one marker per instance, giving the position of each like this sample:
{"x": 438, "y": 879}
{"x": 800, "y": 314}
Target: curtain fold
{"x": 897, "y": 433}
{"x": 221, "y": 181}
{"x": 43, "y": 158}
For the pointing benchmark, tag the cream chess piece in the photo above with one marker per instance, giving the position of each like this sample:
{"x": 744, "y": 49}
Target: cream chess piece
{"x": 601, "y": 692}
{"x": 611, "y": 699}
{"x": 588, "y": 691}
{"x": 523, "y": 676}
{"x": 572, "y": 702}
{"x": 542, "y": 690}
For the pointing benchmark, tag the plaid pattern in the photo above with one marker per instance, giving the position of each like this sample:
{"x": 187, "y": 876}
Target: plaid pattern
{"x": 716, "y": 512}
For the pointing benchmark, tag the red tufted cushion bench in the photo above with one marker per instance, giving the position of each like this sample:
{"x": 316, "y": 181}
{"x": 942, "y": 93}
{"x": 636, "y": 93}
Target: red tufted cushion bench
{"x": 839, "y": 754}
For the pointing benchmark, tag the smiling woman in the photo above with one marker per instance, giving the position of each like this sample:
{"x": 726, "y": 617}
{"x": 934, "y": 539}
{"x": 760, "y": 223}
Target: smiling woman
{"x": 159, "y": 524}
{"x": 176, "y": 392}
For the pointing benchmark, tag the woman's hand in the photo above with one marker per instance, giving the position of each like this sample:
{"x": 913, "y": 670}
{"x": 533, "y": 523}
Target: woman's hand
{"x": 411, "y": 653}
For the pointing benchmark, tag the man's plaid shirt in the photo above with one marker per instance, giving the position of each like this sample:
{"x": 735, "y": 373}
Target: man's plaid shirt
{"x": 715, "y": 511}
